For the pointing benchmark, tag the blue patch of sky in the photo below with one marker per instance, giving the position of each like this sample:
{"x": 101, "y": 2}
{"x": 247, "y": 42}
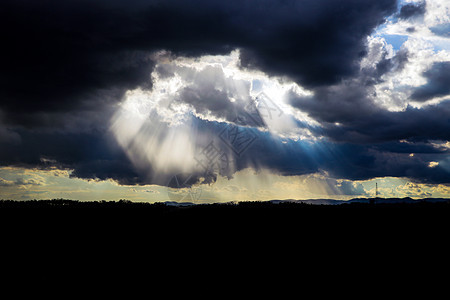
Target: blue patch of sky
{"x": 256, "y": 85}
{"x": 395, "y": 40}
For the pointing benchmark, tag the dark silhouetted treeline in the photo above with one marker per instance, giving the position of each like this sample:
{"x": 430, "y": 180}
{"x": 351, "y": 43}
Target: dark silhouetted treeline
{"x": 61, "y": 239}
{"x": 372, "y": 212}
{"x": 61, "y": 213}
{"x": 274, "y": 204}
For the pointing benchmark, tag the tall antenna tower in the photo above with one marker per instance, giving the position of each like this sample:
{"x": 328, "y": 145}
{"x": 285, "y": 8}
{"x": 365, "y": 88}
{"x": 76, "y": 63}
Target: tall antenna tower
{"x": 376, "y": 190}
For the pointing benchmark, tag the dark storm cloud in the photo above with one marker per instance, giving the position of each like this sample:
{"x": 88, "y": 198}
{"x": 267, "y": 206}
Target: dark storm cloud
{"x": 412, "y": 10}
{"x": 351, "y": 158}
{"x": 438, "y": 82}
{"x": 344, "y": 160}
{"x": 60, "y": 55}
{"x": 89, "y": 155}
{"x": 63, "y": 61}
{"x": 393, "y": 64}
{"x": 347, "y": 114}
{"x": 381, "y": 125}
{"x": 94, "y": 157}
{"x": 361, "y": 162}
{"x": 371, "y": 141}
{"x": 65, "y": 56}
{"x": 316, "y": 46}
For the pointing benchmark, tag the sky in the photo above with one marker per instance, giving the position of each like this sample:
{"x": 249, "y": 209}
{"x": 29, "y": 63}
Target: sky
{"x": 217, "y": 101}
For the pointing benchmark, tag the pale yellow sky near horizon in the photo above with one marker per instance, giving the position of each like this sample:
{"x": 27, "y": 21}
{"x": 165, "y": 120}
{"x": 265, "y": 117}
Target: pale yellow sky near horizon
{"x": 24, "y": 184}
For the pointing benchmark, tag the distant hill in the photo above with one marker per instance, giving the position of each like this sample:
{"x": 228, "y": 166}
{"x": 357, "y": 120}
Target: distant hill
{"x": 311, "y": 201}
{"x": 174, "y": 204}
{"x": 405, "y": 200}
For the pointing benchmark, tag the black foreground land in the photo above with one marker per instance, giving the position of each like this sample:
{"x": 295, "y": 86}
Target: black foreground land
{"x": 53, "y": 240}
{"x": 397, "y": 216}
{"x": 273, "y": 204}
{"x": 355, "y": 213}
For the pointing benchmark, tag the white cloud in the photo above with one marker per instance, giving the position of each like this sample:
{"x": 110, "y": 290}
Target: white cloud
{"x": 394, "y": 92}
{"x": 157, "y": 130}
{"x": 423, "y": 47}
{"x": 438, "y": 12}
{"x": 377, "y": 47}
{"x": 212, "y": 88}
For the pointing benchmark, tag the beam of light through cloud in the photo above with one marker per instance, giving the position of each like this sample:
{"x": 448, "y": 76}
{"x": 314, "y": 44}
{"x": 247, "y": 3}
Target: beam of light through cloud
{"x": 161, "y": 99}
{"x": 157, "y": 128}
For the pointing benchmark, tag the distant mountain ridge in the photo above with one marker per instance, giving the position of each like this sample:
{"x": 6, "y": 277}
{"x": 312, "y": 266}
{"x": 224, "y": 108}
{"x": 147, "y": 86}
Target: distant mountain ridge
{"x": 406, "y": 200}
{"x": 127, "y": 203}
